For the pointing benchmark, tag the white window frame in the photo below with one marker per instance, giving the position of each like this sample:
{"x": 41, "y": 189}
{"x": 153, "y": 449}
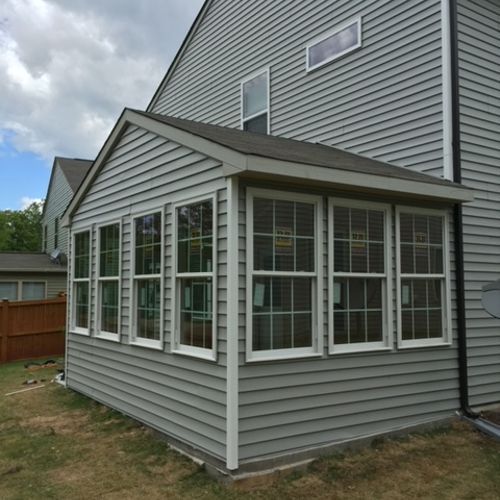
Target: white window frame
{"x": 329, "y": 34}
{"x": 386, "y": 277}
{"x": 133, "y": 339}
{"x": 445, "y": 339}
{"x": 316, "y": 350}
{"x": 73, "y": 327}
{"x": 244, "y": 119}
{"x": 98, "y": 280}
{"x": 177, "y": 347}
{"x": 20, "y": 283}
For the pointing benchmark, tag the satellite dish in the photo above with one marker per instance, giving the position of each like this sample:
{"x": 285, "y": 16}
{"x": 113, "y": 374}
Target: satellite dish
{"x": 55, "y": 256}
{"x": 490, "y": 298}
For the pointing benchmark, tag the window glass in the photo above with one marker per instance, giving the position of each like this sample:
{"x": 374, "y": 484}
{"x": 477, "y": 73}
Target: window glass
{"x": 283, "y": 236}
{"x": 109, "y": 251}
{"x": 109, "y": 291}
{"x": 82, "y": 304}
{"x": 334, "y": 46}
{"x": 255, "y": 95}
{"x": 82, "y": 255}
{"x": 148, "y": 308}
{"x": 33, "y": 290}
{"x": 148, "y": 244}
{"x": 8, "y": 290}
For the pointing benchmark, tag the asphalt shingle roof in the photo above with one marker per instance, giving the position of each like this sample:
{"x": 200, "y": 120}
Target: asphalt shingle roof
{"x": 74, "y": 170}
{"x": 28, "y": 262}
{"x": 309, "y": 153}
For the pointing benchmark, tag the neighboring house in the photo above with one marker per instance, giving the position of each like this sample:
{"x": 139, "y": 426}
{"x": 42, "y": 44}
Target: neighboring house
{"x": 258, "y": 299}
{"x": 66, "y": 177}
{"x": 30, "y": 276}
{"x": 37, "y": 275}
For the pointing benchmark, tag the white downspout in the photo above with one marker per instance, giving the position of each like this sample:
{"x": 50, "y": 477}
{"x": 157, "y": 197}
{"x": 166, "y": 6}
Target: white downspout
{"x": 447, "y": 91}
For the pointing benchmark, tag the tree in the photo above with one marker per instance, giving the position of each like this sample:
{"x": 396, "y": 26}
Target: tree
{"x": 21, "y": 231}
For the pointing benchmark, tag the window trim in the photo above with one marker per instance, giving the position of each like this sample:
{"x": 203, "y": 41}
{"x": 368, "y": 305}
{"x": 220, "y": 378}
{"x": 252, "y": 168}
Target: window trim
{"x": 19, "y": 289}
{"x": 176, "y": 347}
{"x": 328, "y": 34}
{"x": 243, "y": 119}
{"x": 387, "y": 344}
{"x": 98, "y": 280}
{"x": 76, "y": 329}
{"x": 446, "y": 337}
{"x": 132, "y": 336}
{"x": 316, "y": 350}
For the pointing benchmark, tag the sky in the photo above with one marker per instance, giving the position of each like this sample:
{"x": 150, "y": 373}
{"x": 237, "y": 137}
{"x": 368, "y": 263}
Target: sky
{"x": 67, "y": 70}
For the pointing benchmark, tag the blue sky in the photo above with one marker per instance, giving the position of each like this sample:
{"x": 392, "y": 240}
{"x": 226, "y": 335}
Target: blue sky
{"x": 67, "y": 70}
{"x": 23, "y": 176}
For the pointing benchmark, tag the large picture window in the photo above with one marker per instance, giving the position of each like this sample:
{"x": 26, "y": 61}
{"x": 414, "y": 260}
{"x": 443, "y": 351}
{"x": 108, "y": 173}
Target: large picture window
{"x": 108, "y": 288}
{"x": 195, "y": 284}
{"x": 282, "y": 295}
{"x": 147, "y": 279}
{"x": 81, "y": 282}
{"x": 359, "y": 281}
{"x": 255, "y": 103}
{"x": 423, "y": 278}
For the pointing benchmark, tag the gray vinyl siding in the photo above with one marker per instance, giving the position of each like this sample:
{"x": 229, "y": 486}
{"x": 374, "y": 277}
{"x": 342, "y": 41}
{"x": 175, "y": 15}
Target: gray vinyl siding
{"x": 55, "y": 282}
{"x": 286, "y": 406}
{"x": 479, "y": 44}
{"x": 58, "y": 199}
{"x": 181, "y": 396}
{"x": 382, "y": 101}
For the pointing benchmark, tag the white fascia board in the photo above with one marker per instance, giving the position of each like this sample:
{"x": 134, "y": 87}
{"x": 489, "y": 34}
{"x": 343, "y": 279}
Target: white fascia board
{"x": 356, "y": 180}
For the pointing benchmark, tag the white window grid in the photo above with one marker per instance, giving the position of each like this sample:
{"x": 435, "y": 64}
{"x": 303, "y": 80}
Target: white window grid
{"x": 134, "y": 339}
{"x": 444, "y": 278}
{"x": 75, "y": 281}
{"x": 385, "y": 277}
{"x": 315, "y": 275}
{"x": 177, "y": 277}
{"x": 108, "y": 279}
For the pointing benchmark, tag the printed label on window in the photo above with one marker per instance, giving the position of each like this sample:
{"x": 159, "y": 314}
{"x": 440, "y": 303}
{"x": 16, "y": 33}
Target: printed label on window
{"x": 337, "y": 293}
{"x": 284, "y": 242}
{"x": 405, "y": 295}
{"x": 258, "y": 296}
{"x": 420, "y": 238}
{"x": 187, "y": 297}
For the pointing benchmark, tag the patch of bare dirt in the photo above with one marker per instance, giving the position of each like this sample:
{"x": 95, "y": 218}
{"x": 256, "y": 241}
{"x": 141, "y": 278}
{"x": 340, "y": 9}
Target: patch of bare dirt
{"x": 71, "y": 423}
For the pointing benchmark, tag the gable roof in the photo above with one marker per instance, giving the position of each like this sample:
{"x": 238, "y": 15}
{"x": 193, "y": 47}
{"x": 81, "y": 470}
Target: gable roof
{"x": 28, "y": 262}
{"x": 263, "y": 156}
{"x": 199, "y": 18}
{"x": 74, "y": 169}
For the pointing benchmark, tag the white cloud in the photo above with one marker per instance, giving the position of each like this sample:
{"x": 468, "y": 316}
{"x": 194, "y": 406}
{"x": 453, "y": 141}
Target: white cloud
{"x": 26, "y": 201}
{"x": 67, "y": 69}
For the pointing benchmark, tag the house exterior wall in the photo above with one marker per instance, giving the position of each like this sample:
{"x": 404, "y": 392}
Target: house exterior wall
{"x": 178, "y": 395}
{"x": 383, "y": 101}
{"x": 60, "y": 194}
{"x": 479, "y": 42}
{"x": 55, "y": 282}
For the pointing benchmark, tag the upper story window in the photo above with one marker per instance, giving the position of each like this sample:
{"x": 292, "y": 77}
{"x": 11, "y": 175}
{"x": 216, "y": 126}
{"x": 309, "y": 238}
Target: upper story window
{"x": 147, "y": 280}
{"x": 56, "y": 232}
{"x": 108, "y": 289}
{"x": 255, "y": 103}
{"x": 423, "y": 278}
{"x": 195, "y": 278}
{"x": 81, "y": 282}
{"x": 334, "y": 45}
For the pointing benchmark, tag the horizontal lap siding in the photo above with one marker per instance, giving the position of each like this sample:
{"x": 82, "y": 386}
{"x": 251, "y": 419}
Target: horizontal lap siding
{"x": 479, "y": 42}
{"x": 289, "y": 405}
{"x": 59, "y": 197}
{"x": 383, "y": 101}
{"x": 180, "y": 396}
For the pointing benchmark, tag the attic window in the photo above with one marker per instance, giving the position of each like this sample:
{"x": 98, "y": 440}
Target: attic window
{"x": 334, "y": 45}
{"x": 255, "y": 103}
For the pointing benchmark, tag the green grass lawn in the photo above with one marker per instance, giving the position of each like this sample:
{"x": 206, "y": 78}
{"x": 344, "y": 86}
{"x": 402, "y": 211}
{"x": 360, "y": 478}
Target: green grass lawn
{"x": 57, "y": 444}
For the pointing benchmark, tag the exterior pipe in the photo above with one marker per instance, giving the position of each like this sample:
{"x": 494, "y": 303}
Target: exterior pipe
{"x": 458, "y": 217}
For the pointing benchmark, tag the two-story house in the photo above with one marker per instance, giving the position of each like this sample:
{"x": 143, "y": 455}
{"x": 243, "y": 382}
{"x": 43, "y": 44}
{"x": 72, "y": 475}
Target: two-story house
{"x": 286, "y": 250}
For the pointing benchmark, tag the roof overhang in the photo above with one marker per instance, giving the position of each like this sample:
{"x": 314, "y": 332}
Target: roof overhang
{"x": 252, "y": 166}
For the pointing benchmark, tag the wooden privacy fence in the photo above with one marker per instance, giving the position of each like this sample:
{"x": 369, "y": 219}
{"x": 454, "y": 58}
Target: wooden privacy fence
{"x": 32, "y": 329}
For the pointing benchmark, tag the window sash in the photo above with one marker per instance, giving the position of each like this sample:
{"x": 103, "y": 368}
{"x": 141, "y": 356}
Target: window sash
{"x": 315, "y": 348}
{"x": 206, "y": 348}
{"x": 385, "y": 277}
{"x": 264, "y": 109}
{"x": 80, "y": 250}
{"x": 443, "y": 278}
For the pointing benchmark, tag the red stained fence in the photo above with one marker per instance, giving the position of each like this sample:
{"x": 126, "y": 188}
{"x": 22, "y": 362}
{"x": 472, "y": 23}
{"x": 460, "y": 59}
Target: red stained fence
{"x": 32, "y": 329}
